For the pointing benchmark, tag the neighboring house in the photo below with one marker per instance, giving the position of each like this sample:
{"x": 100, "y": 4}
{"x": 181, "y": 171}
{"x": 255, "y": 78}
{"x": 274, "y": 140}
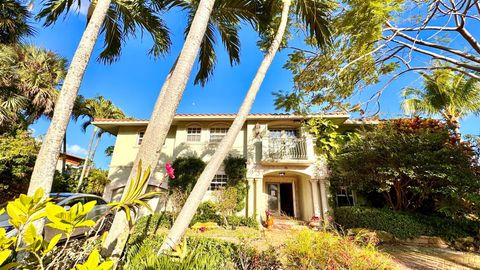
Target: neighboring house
{"x": 284, "y": 174}
{"x": 69, "y": 162}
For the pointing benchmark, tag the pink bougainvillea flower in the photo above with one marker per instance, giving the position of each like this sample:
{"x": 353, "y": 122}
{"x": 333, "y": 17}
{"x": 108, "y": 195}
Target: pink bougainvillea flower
{"x": 170, "y": 171}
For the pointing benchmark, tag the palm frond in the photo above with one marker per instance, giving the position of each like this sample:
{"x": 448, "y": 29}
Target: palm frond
{"x": 314, "y": 15}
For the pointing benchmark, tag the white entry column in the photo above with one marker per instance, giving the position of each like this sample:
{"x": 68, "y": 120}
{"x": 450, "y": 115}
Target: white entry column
{"x": 324, "y": 197}
{"x": 250, "y": 209}
{"x": 315, "y": 198}
{"x": 259, "y": 199}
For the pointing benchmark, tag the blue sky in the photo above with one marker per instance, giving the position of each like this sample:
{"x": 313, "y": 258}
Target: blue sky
{"x": 134, "y": 81}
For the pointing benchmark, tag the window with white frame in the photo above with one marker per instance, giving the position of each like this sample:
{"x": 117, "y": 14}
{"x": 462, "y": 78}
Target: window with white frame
{"x": 140, "y": 137}
{"x": 218, "y": 181}
{"x": 279, "y": 133}
{"x": 344, "y": 196}
{"x": 217, "y": 134}
{"x": 194, "y": 134}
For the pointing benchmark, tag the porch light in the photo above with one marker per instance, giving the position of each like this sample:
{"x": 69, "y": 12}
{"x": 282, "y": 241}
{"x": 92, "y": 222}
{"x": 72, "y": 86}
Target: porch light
{"x": 281, "y": 174}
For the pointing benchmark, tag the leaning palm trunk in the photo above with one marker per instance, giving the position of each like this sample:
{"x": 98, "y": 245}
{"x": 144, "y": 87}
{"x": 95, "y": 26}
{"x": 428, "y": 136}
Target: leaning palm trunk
{"x": 93, "y": 155}
{"x": 190, "y": 207}
{"x": 162, "y": 117}
{"x": 87, "y": 157}
{"x": 43, "y": 172}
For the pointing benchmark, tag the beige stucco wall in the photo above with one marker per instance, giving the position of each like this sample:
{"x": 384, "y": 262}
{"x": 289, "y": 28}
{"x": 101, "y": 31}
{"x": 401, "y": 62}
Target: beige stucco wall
{"x": 248, "y": 144}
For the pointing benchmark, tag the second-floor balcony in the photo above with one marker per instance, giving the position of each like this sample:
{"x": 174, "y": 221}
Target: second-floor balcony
{"x": 287, "y": 150}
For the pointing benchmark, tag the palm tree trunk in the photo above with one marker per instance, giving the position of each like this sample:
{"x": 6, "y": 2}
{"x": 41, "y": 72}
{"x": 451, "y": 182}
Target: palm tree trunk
{"x": 93, "y": 155}
{"x": 162, "y": 117}
{"x": 43, "y": 172}
{"x": 64, "y": 161}
{"x": 190, "y": 207}
{"x": 85, "y": 163}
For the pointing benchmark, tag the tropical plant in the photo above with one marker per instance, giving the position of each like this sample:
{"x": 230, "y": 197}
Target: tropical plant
{"x": 303, "y": 252}
{"x": 38, "y": 251}
{"x": 29, "y": 77}
{"x": 41, "y": 253}
{"x": 14, "y": 22}
{"x": 313, "y": 16}
{"x": 447, "y": 93}
{"x": 118, "y": 20}
{"x": 96, "y": 108}
{"x": 405, "y": 165}
{"x": 17, "y": 157}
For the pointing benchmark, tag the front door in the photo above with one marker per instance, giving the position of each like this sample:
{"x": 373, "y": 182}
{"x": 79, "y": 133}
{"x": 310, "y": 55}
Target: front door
{"x": 280, "y": 199}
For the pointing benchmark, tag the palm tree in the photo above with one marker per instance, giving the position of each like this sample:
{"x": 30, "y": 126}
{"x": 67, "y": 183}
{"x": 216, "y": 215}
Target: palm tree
{"x": 446, "y": 93}
{"x": 97, "y": 107}
{"x": 203, "y": 23}
{"x": 14, "y": 22}
{"x": 313, "y": 14}
{"x": 29, "y": 77}
{"x": 118, "y": 20}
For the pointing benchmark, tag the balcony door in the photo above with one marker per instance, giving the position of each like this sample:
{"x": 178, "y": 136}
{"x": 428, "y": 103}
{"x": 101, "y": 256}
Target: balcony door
{"x": 285, "y": 144}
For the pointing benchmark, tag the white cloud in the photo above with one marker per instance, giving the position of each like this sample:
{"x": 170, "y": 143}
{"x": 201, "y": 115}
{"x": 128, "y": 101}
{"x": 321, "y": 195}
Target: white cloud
{"x": 76, "y": 150}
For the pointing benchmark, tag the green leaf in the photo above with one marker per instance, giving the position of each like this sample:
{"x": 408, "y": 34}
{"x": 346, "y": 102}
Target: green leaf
{"x": 4, "y": 255}
{"x": 53, "y": 243}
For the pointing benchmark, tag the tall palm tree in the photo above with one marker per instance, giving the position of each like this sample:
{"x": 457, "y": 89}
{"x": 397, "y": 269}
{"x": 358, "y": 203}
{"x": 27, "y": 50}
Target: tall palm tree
{"x": 118, "y": 20}
{"x": 205, "y": 18}
{"x": 14, "y": 22}
{"x": 98, "y": 107}
{"x": 313, "y": 15}
{"x": 444, "y": 93}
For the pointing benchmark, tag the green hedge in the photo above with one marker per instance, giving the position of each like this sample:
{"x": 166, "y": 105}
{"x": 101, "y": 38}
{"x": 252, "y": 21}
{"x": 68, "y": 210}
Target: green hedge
{"x": 404, "y": 225}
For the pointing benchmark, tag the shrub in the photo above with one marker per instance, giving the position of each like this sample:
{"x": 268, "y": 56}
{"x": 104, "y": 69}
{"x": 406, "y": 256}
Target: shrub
{"x": 201, "y": 253}
{"x": 187, "y": 171}
{"x": 206, "y": 212}
{"x": 323, "y": 250}
{"x": 148, "y": 225}
{"x": 404, "y": 225}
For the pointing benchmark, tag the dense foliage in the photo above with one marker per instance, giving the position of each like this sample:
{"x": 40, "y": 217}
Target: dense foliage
{"x": 324, "y": 250}
{"x": 197, "y": 253}
{"x": 405, "y": 224}
{"x": 29, "y": 77}
{"x": 410, "y": 164}
{"x": 17, "y": 156}
{"x": 236, "y": 170}
{"x": 187, "y": 171}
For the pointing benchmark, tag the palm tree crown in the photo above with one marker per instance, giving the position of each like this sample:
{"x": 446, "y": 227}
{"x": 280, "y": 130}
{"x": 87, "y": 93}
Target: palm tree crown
{"x": 100, "y": 107}
{"x": 444, "y": 92}
{"x": 124, "y": 19}
{"x": 29, "y": 77}
{"x": 14, "y": 24}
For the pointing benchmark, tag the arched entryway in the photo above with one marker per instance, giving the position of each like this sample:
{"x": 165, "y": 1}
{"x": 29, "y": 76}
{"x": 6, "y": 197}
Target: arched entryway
{"x": 288, "y": 194}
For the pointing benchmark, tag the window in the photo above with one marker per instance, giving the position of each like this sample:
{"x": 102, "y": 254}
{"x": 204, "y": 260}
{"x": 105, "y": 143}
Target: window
{"x": 279, "y": 133}
{"x": 140, "y": 137}
{"x": 193, "y": 134}
{"x": 219, "y": 180}
{"x": 217, "y": 134}
{"x": 291, "y": 133}
{"x": 275, "y": 133}
{"x": 344, "y": 196}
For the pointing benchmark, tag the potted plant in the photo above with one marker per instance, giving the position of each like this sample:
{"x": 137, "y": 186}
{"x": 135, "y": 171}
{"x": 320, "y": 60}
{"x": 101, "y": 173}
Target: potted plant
{"x": 315, "y": 222}
{"x": 269, "y": 221}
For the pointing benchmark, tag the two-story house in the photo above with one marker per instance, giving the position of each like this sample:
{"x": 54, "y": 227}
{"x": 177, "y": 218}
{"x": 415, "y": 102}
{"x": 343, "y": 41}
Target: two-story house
{"x": 284, "y": 173}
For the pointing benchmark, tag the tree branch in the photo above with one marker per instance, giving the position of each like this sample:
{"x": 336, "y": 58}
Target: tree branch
{"x": 439, "y": 57}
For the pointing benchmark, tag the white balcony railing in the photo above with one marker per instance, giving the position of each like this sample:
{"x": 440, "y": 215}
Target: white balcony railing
{"x": 285, "y": 149}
